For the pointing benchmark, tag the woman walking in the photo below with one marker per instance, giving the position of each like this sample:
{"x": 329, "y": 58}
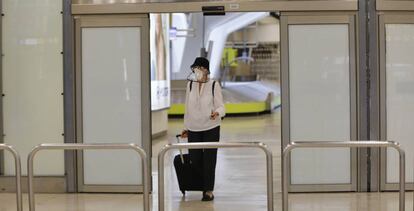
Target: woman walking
{"x": 204, "y": 110}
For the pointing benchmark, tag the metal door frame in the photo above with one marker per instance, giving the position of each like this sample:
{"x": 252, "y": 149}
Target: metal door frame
{"x": 138, "y": 20}
{"x": 321, "y": 18}
{"x": 387, "y": 18}
{"x": 69, "y": 95}
{"x": 1, "y": 90}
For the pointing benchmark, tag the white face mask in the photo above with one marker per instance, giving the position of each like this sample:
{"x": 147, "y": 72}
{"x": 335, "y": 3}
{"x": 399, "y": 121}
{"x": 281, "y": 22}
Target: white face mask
{"x": 199, "y": 74}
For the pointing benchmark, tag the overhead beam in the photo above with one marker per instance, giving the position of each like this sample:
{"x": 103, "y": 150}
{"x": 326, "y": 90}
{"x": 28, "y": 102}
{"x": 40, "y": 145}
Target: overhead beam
{"x": 89, "y": 7}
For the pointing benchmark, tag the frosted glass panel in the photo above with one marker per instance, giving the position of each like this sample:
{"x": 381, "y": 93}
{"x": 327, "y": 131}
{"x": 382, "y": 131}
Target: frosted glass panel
{"x": 111, "y": 97}
{"x": 33, "y": 82}
{"x": 400, "y": 96}
{"x": 319, "y": 101}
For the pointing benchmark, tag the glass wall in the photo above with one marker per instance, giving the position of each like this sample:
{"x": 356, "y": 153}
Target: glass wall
{"x": 33, "y": 81}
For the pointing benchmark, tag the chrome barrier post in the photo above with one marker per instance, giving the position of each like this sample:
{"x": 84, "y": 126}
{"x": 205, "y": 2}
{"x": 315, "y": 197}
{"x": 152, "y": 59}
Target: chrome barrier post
{"x": 17, "y": 166}
{"x": 214, "y": 145}
{"x": 134, "y": 147}
{"x": 342, "y": 144}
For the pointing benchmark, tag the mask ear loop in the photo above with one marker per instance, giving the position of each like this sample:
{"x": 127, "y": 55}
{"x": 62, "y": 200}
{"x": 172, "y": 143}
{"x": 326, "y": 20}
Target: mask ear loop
{"x": 188, "y": 77}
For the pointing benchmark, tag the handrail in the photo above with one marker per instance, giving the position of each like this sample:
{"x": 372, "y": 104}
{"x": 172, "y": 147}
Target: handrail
{"x": 17, "y": 166}
{"x": 134, "y": 147}
{"x": 214, "y": 145}
{"x": 342, "y": 144}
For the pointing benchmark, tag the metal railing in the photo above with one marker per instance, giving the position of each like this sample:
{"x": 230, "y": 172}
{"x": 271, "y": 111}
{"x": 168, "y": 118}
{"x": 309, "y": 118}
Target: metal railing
{"x": 214, "y": 145}
{"x": 17, "y": 166}
{"x": 344, "y": 144}
{"x": 134, "y": 147}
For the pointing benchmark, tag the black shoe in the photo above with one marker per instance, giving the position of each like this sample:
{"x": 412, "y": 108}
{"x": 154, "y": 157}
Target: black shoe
{"x": 207, "y": 197}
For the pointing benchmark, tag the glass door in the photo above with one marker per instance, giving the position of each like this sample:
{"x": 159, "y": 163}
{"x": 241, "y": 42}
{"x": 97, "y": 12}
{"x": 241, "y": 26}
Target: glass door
{"x": 319, "y": 99}
{"x": 113, "y": 99}
{"x": 397, "y": 95}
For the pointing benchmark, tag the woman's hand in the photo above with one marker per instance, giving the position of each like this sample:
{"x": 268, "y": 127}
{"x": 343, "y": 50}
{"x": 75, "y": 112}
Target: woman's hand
{"x": 214, "y": 115}
{"x": 184, "y": 134}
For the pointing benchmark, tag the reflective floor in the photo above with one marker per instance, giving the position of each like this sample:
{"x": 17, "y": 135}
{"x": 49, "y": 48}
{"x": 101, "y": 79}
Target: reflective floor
{"x": 240, "y": 181}
{"x": 224, "y": 202}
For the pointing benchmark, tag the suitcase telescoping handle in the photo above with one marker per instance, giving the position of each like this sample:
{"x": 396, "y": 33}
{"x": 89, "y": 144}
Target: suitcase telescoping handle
{"x": 178, "y": 136}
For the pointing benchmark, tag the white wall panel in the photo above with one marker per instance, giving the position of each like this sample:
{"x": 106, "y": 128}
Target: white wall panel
{"x": 319, "y": 80}
{"x": 111, "y": 100}
{"x": 33, "y": 81}
{"x": 400, "y": 96}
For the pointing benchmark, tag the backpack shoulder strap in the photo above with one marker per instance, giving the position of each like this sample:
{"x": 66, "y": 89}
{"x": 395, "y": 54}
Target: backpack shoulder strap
{"x": 191, "y": 85}
{"x": 214, "y": 83}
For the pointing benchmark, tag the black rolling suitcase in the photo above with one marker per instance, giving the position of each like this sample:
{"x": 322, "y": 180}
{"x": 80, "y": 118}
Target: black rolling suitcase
{"x": 189, "y": 179}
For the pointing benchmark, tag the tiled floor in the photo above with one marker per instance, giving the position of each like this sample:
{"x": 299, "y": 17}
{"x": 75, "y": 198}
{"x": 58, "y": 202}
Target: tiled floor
{"x": 240, "y": 181}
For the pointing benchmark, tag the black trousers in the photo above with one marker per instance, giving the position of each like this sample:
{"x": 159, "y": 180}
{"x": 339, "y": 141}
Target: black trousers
{"x": 205, "y": 159}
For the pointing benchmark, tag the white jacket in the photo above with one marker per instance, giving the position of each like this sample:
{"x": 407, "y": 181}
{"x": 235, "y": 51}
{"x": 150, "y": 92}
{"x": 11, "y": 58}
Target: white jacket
{"x": 200, "y": 104}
